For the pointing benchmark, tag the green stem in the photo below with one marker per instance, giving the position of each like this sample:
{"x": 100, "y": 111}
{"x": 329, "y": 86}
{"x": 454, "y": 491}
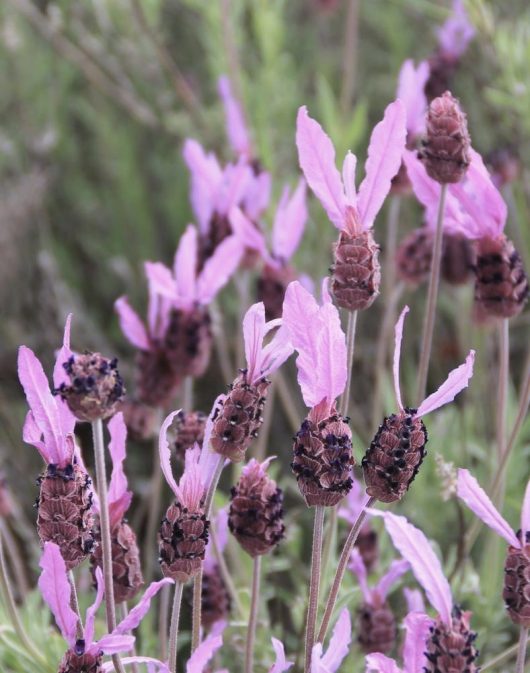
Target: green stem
{"x": 253, "y": 616}
{"x": 432, "y": 297}
{"x": 174, "y": 630}
{"x": 196, "y": 611}
{"x": 314, "y": 586}
{"x": 500, "y": 658}
{"x": 521, "y": 650}
{"x": 350, "y": 347}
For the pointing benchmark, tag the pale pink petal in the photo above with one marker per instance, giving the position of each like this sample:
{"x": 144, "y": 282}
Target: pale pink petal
{"x": 469, "y": 490}
{"x": 417, "y": 627}
{"x": 385, "y": 152}
{"x": 131, "y": 325}
{"x": 202, "y": 655}
{"x": 247, "y": 233}
{"x": 289, "y": 222}
{"x": 236, "y": 129}
{"x": 90, "y": 618}
{"x": 153, "y": 665}
{"x": 281, "y": 664}
{"x": 113, "y": 644}
{"x": 456, "y": 33}
{"x": 209, "y": 460}
{"x": 411, "y": 91}
{"x": 379, "y": 663}
{"x": 316, "y": 155}
{"x": 119, "y": 497}
{"x": 139, "y": 611}
{"x": 257, "y": 195}
{"x": 160, "y": 279}
{"x": 206, "y": 177}
{"x": 276, "y": 352}
{"x": 185, "y": 267}
{"x": 357, "y": 566}
{"x": 339, "y": 644}
{"x": 253, "y": 335}
{"x": 191, "y": 487}
{"x": 331, "y": 366}
{"x": 218, "y": 269}
{"x": 414, "y": 598}
{"x": 64, "y": 353}
{"x": 165, "y": 453}
{"x": 395, "y": 572}
{"x": 236, "y": 181}
{"x": 525, "y": 513}
{"x": 56, "y": 591}
{"x": 325, "y": 294}
{"x": 457, "y": 380}
{"x": 398, "y": 338}
{"x": 31, "y": 434}
{"x": 348, "y": 178}
{"x": 415, "y": 548}
{"x": 352, "y": 505}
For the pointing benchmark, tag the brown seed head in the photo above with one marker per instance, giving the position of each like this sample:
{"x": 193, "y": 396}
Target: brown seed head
{"x": 96, "y": 388}
{"x": 452, "y": 649}
{"x": 445, "y": 151}
{"x": 189, "y": 428}
{"x": 376, "y": 628}
{"x": 441, "y": 71}
{"x": 74, "y": 662}
{"x": 414, "y": 256}
{"x": 368, "y": 545}
{"x": 394, "y": 456}
{"x": 188, "y": 341}
{"x": 216, "y": 603}
{"x": 356, "y": 273}
{"x": 140, "y": 419}
{"x": 516, "y": 591}
{"x": 157, "y": 377}
{"x": 458, "y": 259}
{"x": 271, "y": 286}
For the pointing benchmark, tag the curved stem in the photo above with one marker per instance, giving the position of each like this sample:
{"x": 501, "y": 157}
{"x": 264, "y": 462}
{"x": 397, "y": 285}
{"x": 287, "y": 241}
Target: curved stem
{"x": 174, "y": 630}
{"x": 341, "y": 569}
{"x": 75, "y": 605}
{"x": 432, "y": 297}
{"x": 104, "y": 521}
{"x": 350, "y": 347}
{"x": 500, "y": 658}
{"x": 314, "y": 586}
{"x": 196, "y": 611}
{"x": 521, "y": 650}
{"x": 253, "y": 616}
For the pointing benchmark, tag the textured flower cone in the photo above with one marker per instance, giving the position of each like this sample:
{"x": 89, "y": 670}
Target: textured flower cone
{"x": 451, "y": 650}
{"x": 394, "y": 456}
{"x": 368, "y": 545}
{"x": 239, "y": 418}
{"x": 65, "y": 512}
{"x": 156, "y": 376}
{"x": 441, "y": 72}
{"x": 501, "y": 284}
{"x": 81, "y": 663}
{"x": 516, "y": 591}
{"x": 255, "y": 517}
{"x": 96, "y": 387}
{"x": 377, "y": 628}
{"x": 189, "y": 341}
{"x": 414, "y": 256}
{"x": 182, "y": 540}
{"x": 126, "y": 570}
{"x": 271, "y": 286}
{"x": 323, "y": 460}
{"x": 140, "y": 419}
{"x": 356, "y": 273}
{"x": 220, "y": 228}
{"x": 189, "y": 428}
{"x": 458, "y": 259}
{"x": 445, "y": 150}
{"x": 216, "y": 603}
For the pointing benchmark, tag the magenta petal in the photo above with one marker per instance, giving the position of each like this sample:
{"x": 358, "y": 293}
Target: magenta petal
{"x": 281, "y": 664}
{"x": 348, "y": 178}
{"x": 113, "y": 644}
{"x": 160, "y": 279}
{"x": 165, "y": 453}
{"x": 218, "y": 269}
{"x": 456, "y": 33}
{"x": 191, "y": 487}
{"x": 398, "y": 338}
{"x": 414, "y": 599}
{"x": 411, "y": 91}
{"x": 332, "y": 369}
{"x": 338, "y": 647}
{"x": 139, "y": 611}
{"x": 457, "y": 380}
{"x": 276, "y": 351}
{"x": 237, "y": 179}
{"x": 206, "y": 177}
{"x": 185, "y": 267}
{"x": 289, "y": 222}
{"x": 417, "y": 627}
{"x": 253, "y": 335}
{"x": 385, "y": 152}
{"x": 469, "y": 490}
{"x": 153, "y": 665}
{"x": 119, "y": 498}
{"x": 317, "y": 161}
{"x": 236, "y": 129}
{"x": 31, "y": 434}
{"x": 379, "y": 663}
{"x": 397, "y": 569}
{"x": 248, "y": 235}
{"x": 56, "y": 591}
{"x": 257, "y": 195}
{"x": 202, "y": 655}
{"x": 131, "y": 325}
{"x": 64, "y": 353}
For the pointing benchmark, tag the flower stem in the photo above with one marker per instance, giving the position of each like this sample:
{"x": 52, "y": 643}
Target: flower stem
{"x": 521, "y": 650}
{"x": 163, "y": 623}
{"x": 432, "y": 297}
{"x": 7, "y": 596}
{"x": 350, "y": 347}
{"x": 253, "y": 616}
{"x": 500, "y": 658}
{"x": 75, "y": 605}
{"x": 196, "y": 611}
{"x": 104, "y": 520}
{"x": 502, "y": 391}
{"x": 174, "y": 630}
{"x": 341, "y": 569}
{"x": 314, "y": 587}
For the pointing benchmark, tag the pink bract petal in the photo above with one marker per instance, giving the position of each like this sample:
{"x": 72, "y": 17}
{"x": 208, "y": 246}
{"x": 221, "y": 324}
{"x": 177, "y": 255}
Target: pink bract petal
{"x": 397, "y": 569}
{"x": 332, "y": 369}
{"x": 236, "y": 129}
{"x": 417, "y": 627}
{"x": 56, "y": 591}
{"x": 411, "y": 91}
{"x": 191, "y": 485}
{"x": 457, "y": 380}
{"x": 456, "y": 33}
{"x": 139, "y": 611}
{"x": 415, "y": 548}
{"x": 414, "y": 598}
{"x": 316, "y": 155}
{"x": 348, "y": 178}
{"x": 220, "y": 528}
{"x": 275, "y": 352}
{"x": 469, "y": 490}
{"x": 153, "y": 665}
{"x": 90, "y": 618}
{"x": 253, "y": 335}
{"x": 289, "y": 222}
{"x": 352, "y": 505}
{"x": 209, "y": 460}
{"x": 379, "y": 663}
{"x": 218, "y": 269}
{"x": 64, "y": 353}
{"x": 119, "y": 498}
{"x": 206, "y": 177}
{"x": 131, "y": 324}
{"x": 357, "y": 566}
{"x": 160, "y": 279}
{"x": 185, "y": 267}
{"x": 113, "y": 644}
{"x": 398, "y": 338}
{"x": 165, "y": 453}
{"x": 236, "y": 180}
{"x": 385, "y": 152}
{"x": 281, "y": 664}
{"x": 202, "y": 655}
{"x": 525, "y": 513}
{"x": 257, "y": 195}
{"x": 31, "y": 434}
{"x": 247, "y": 233}
{"x": 338, "y": 647}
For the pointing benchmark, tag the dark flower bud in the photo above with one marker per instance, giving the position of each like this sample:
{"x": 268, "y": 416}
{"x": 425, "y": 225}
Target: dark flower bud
{"x": 81, "y": 663}
{"x": 215, "y": 599}
{"x": 394, "y": 456}
{"x": 452, "y": 649}
{"x": 189, "y": 428}
{"x": 376, "y": 627}
{"x": 140, "y": 419}
{"x": 95, "y": 389}
{"x": 157, "y": 377}
{"x": 414, "y": 256}
{"x": 356, "y": 272}
{"x": 182, "y": 540}
{"x": 442, "y": 68}
{"x": 255, "y": 517}
{"x": 445, "y": 151}
{"x": 458, "y": 259}
{"x": 188, "y": 341}
{"x": 516, "y": 593}
{"x": 271, "y": 286}
{"x": 368, "y": 545}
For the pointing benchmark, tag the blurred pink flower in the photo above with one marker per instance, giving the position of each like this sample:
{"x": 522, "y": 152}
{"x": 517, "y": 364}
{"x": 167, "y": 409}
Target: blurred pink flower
{"x": 377, "y": 594}
{"x": 417, "y": 627}
{"x": 339, "y": 645}
{"x": 411, "y": 92}
{"x": 456, "y": 33}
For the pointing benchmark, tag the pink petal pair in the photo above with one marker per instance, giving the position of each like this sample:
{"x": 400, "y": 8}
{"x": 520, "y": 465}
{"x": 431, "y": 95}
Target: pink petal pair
{"x": 416, "y": 631}
{"x": 379, "y": 592}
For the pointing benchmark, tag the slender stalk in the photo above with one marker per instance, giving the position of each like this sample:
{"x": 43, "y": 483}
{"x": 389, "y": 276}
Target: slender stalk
{"x": 196, "y": 611}
{"x": 221, "y": 342}
{"x": 174, "y": 630}
{"x": 104, "y": 521}
{"x": 314, "y": 586}
{"x": 187, "y": 394}
{"x": 7, "y": 596}
{"x": 253, "y": 616}
{"x": 225, "y": 573}
{"x": 163, "y": 622}
{"x": 502, "y": 390}
{"x": 432, "y": 297}
{"x": 341, "y": 569}
{"x": 153, "y": 515}
{"x": 521, "y": 650}
{"x": 74, "y": 602}
{"x": 500, "y": 658}
{"x": 17, "y": 565}
{"x": 350, "y": 346}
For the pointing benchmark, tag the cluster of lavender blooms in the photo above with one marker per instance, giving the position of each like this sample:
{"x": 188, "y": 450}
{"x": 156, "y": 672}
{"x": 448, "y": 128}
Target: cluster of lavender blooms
{"x": 76, "y": 522}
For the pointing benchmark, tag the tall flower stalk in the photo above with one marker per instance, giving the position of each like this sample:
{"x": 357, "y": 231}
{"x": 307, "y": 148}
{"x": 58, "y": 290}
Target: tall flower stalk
{"x": 314, "y": 585}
